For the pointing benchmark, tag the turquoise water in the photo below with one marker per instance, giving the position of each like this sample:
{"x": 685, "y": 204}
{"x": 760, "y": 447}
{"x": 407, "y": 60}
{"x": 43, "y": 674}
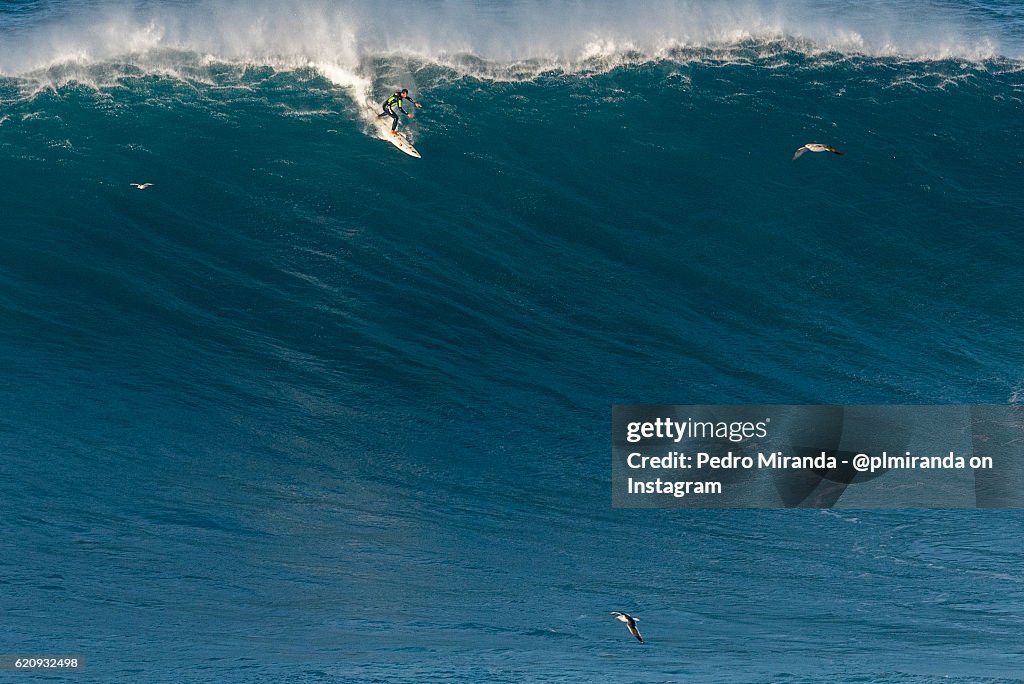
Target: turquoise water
{"x": 308, "y": 409}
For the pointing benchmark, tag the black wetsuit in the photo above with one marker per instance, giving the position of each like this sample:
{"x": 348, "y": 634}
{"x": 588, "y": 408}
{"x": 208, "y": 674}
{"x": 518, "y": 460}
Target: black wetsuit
{"x": 389, "y": 108}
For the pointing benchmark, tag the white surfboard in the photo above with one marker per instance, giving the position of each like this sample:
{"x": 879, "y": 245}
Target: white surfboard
{"x": 383, "y": 126}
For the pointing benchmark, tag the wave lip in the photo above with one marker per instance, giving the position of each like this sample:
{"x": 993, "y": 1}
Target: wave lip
{"x": 553, "y": 35}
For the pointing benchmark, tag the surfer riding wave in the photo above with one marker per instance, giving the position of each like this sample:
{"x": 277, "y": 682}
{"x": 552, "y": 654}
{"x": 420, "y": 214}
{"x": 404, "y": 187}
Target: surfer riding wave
{"x": 395, "y": 102}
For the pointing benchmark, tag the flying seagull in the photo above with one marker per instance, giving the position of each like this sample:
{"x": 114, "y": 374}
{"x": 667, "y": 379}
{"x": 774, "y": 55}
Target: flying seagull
{"x": 630, "y": 622}
{"x": 141, "y": 186}
{"x": 815, "y": 147}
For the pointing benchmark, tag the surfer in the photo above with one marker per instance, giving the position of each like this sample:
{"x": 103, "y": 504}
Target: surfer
{"x": 393, "y": 102}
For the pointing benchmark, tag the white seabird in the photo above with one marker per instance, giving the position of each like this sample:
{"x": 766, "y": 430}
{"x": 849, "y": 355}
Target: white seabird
{"x": 815, "y": 147}
{"x": 141, "y": 186}
{"x": 630, "y": 622}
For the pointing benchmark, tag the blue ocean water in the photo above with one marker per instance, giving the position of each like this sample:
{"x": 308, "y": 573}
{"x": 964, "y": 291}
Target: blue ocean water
{"x": 310, "y": 410}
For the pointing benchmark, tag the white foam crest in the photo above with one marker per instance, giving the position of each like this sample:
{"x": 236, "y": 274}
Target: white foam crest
{"x": 563, "y": 34}
{"x": 509, "y": 41}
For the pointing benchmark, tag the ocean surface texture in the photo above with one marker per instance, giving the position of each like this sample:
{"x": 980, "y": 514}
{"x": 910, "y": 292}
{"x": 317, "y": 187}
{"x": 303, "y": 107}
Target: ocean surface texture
{"x": 310, "y": 410}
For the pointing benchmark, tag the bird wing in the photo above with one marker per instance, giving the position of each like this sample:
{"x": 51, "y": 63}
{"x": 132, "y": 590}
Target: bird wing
{"x": 833, "y": 150}
{"x": 800, "y": 151}
{"x": 635, "y": 632}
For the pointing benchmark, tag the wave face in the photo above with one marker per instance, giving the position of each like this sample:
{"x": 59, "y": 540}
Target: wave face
{"x": 308, "y": 409}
